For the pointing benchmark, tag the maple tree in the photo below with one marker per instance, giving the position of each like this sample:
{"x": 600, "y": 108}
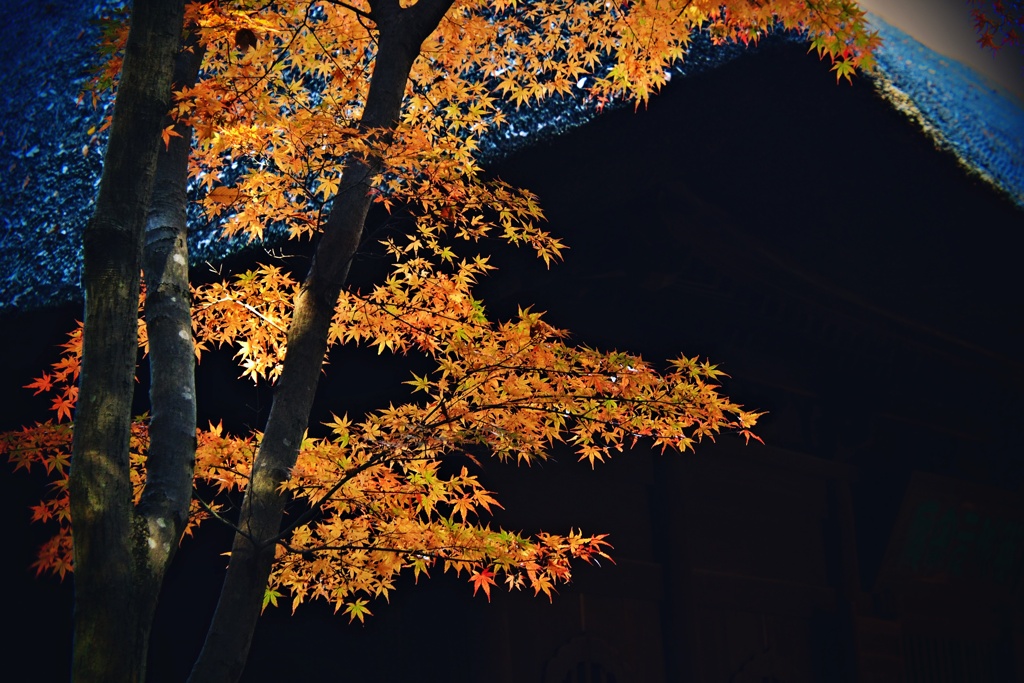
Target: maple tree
{"x": 299, "y": 116}
{"x": 998, "y": 23}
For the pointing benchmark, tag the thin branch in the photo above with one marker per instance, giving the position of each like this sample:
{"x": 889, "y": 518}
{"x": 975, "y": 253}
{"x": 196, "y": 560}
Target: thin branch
{"x": 355, "y": 10}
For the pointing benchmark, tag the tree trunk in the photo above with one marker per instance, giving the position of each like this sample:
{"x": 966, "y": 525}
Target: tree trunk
{"x": 401, "y": 32}
{"x": 108, "y": 645}
{"x": 170, "y": 459}
{"x": 163, "y": 510}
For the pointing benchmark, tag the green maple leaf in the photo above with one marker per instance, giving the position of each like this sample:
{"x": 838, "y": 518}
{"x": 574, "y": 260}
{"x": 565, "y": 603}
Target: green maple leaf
{"x": 358, "y": 610}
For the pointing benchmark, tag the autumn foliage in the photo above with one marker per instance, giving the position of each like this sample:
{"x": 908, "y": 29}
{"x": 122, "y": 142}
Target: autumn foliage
{"x": 998, "y": 23}
{"x": 377, "y": 498}
{"x": 277, "y": 117}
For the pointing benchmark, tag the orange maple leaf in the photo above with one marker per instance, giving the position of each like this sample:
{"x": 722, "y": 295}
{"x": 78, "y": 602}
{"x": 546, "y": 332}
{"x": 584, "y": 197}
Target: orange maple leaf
{"x": 41, "y": 384}
{"x": 63, "y": 405}
{"x": 167, "y": 133}
{"x": 482, "y": 579}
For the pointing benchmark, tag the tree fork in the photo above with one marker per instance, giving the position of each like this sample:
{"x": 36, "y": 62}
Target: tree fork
{"x": 108, "y": 645}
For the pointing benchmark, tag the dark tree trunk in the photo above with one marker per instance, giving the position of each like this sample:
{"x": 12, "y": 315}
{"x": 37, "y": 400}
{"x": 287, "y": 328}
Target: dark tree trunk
{"x": 401, "y": 32}
{"x": 109, "y": 640}
{"x": 170, "y": 459}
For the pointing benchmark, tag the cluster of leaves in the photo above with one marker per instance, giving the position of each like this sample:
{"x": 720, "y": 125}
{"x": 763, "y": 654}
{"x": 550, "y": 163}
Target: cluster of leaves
{"x": 276, "y": 115}
{"x": 998, "y": 23}
{"x": 284, "y": 103}
{"x": 46, "y": 445}
{"x": 380, "y": 496}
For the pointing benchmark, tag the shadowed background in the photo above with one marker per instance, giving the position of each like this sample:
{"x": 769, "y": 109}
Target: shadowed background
{"x": 854, "y": 280}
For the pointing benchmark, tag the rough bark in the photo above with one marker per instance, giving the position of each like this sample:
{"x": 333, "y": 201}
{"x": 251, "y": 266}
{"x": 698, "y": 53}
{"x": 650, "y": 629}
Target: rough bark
{"x": 108, "y": 646}
{"x": 401, "y": 32}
